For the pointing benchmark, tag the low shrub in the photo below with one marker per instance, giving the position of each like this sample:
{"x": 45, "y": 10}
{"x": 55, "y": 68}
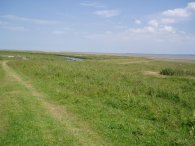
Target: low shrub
{"x": 167, "y": 71}
{"x": 177, "y": 72}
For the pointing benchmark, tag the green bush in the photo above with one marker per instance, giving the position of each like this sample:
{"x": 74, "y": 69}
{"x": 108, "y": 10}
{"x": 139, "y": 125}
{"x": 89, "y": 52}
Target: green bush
{"x": 167, "y": 71}
{"x": 177, "y": 72}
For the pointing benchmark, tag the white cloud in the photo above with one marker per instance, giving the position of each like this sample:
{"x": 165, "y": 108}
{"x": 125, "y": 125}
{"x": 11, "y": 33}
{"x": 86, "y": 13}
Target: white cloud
{"x": 176, "y": 13}
{"x": 168, "y": 29}
{"x": 146, "y": 29}
{"x": 181, "y": 12}
{"x": 167, "y": 21}
{"x": 137, "y": 21}
{"x": 92, "y": 4}
{"x": 107, "y": 13}
{"x": 158, "y": 28}
{"x": 153, "y": 27}
{"x": 147, "y": 34}
{"x": 162, "y": 23}
{"x": 27, "y": 19}
{"x": 153, "y": 23}
{"x": 191, "y": 5}
{"x": 150, "y": 29}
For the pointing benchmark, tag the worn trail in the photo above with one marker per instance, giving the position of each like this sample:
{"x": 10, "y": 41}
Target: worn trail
{"x": 80, "y": 129}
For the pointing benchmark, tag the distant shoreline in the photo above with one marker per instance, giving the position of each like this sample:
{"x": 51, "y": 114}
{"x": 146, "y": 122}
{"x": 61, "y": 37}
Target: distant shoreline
{"x": 157, "y": 56}
{"x": 165, "y": 56}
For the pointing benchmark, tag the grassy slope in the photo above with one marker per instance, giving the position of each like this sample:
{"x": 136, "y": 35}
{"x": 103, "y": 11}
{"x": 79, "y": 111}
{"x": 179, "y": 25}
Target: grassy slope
{"x": 118, "y": 100}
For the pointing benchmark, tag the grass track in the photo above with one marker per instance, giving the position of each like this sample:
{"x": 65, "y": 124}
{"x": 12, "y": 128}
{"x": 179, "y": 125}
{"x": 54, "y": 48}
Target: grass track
{"x": 24, "y": 120}
{"x": 79, "y": 129}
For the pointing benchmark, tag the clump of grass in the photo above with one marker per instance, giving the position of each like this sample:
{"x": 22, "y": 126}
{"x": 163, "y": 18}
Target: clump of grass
{"x": 177, "y": 72}
{"x": 164, "y": 93}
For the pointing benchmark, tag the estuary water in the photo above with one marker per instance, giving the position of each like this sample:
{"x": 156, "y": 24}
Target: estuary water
{"x": 73, "y": 58}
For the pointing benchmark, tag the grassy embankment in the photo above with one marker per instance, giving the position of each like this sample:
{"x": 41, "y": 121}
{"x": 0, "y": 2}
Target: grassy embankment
{"x": 112, "y": 94}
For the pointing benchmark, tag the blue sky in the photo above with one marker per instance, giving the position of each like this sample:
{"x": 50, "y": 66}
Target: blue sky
{"x": 110, "y": 26}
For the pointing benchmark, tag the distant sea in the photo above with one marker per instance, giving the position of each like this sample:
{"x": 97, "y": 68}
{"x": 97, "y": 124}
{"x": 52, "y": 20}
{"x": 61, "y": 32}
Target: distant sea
{"x": 165, "y": 56}
{"x": 160, "y": 56}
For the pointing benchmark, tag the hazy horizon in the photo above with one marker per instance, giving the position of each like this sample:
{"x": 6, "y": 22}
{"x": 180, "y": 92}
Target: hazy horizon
{"x": 124, "y": 53}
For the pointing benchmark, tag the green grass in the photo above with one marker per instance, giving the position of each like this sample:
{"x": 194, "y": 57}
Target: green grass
{"x": 24, "y": 121}
{"x": 177, "y": 72}
{"x": 115, "y": 97}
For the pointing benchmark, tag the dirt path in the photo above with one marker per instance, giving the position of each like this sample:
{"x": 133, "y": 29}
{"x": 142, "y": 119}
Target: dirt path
{"x": 153, "y": 73}
{"x": 80, "y": 129}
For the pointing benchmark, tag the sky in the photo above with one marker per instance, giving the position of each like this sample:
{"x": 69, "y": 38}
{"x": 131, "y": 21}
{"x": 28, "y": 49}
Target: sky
{"x": 105, "y": 26}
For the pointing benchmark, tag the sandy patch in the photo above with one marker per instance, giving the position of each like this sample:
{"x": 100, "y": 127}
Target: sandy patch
{"x": 154, "y": 74}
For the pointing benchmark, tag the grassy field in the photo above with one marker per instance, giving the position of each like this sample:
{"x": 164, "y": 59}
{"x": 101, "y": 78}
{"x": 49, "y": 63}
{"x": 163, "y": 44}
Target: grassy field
{"x": 101, "y": 100}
